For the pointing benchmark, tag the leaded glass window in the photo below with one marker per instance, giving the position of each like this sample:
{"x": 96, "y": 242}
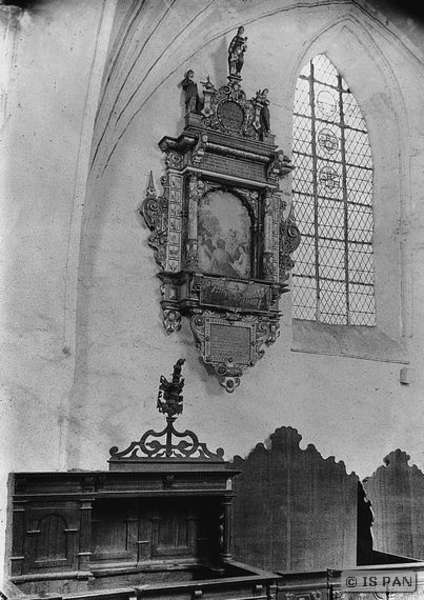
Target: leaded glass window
{"x": 333, "y": 278}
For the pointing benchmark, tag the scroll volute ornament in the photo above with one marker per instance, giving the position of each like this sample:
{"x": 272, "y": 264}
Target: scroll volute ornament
{"x": 218, "y": 228}
{"x": 167, "y": 443}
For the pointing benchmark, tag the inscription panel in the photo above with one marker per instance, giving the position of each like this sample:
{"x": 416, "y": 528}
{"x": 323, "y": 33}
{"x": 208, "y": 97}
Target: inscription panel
{"x": 229, "y": 343}
{"x": 232, "y": 166}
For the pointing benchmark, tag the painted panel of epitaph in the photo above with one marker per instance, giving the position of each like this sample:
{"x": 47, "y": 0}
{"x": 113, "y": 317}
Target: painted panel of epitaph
{"x": 247, "y": 296}
{"x": 224, "y": 235}
{"x": 294, "y": 510}
{"x": 396, "y": 492}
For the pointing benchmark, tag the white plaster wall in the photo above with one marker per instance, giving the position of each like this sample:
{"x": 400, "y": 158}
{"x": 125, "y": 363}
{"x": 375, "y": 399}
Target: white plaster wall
{"x": 52, "y": 55}
{"x": 353, "y": 409}
{"x": 83, "y": 346}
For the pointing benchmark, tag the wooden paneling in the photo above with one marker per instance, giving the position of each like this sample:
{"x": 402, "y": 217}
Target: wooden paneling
{"x": 159, "y": 532}
{"x": 396, "y": 491}
{"x": 51, "y": 536}
{"x": 115, "y": 530}
{"x": 294, "y": 510}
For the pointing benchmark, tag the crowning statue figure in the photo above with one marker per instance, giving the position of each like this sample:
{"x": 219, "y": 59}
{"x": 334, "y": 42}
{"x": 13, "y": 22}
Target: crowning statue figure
{"x": 236, "y": 50}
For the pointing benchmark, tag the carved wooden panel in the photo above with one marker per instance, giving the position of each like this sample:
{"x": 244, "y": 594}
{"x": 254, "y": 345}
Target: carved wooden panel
{"x": 396, "y": 492}
{"x": 174, "y": 530}
{"x": 52, "y": 542}
{"x": 51, "y": 537}
{"x": 154, "y": 529}
{"x": 294, "y": 510}
{"x": 115, "y": 530}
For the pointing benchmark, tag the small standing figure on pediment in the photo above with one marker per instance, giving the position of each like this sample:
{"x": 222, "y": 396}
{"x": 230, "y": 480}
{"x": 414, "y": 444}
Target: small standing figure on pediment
{"x": 236, "y": 50}
{"x": 192, "y": 100}
{"x": 264, "y": 118}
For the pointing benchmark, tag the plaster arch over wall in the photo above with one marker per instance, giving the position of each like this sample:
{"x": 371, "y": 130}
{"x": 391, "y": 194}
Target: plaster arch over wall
{"x": 137, "y": 46}
{"x": 377, "y": 90}
{"x": 121, "y": 345}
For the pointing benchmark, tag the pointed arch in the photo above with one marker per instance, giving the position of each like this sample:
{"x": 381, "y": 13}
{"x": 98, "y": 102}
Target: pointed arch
{"x": 360, "y": 50}
{"x": 333, "y": 280}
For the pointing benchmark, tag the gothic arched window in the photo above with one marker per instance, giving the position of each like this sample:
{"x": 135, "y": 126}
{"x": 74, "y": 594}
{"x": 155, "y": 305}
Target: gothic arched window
{"x": 333, "y": 278}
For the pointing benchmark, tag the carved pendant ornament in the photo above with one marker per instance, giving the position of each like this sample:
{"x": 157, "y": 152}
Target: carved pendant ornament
{"x": 218, "y": 229}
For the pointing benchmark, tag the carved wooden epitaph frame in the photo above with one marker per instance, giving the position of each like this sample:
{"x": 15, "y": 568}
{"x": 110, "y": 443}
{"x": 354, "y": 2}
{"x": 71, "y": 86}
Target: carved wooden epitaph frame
{"x": 220, "y": 229}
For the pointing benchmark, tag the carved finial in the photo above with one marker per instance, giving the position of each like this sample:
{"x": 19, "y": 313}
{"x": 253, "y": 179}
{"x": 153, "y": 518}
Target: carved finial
{"x": 208, "y": 91}
{"x": 208, "y": 85}
{"x": 151, "y": 190}
{"x": 170, "y": 400}
{"x": 236, "y": 50}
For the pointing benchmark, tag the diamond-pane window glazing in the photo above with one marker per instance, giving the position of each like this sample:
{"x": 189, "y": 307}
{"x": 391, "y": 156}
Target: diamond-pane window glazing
{"x": 333, "y": 277}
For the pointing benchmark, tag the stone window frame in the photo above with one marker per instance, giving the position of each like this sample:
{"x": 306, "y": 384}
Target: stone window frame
{"x": 351, "y": 227}
{"x": 369, "y": 76}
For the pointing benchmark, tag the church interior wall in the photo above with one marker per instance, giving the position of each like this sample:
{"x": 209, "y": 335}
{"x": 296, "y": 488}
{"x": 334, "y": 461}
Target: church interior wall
{"x": 84, "y": 346}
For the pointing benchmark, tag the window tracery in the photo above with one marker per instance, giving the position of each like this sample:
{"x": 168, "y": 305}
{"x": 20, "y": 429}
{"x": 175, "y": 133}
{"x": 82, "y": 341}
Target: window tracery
{"x": 333, "y": 280}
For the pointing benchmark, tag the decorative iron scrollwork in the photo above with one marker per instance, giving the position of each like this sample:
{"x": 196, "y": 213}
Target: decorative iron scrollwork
{"x": 151, "y": 446}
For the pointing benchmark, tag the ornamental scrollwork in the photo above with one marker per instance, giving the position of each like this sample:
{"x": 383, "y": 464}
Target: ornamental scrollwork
{"x": 280, "y": 166}
{"x": 173, "y": 160}
{"x": 171, "y": 320}
{"x": 199, "y": 149}
{"x": 155, "y": 213}
{"x": 289, "y": 242}
{"x": 227, "y": 109}
{"x": 149, "y": 446}
{"x": 251, "y": 197}
{"x": 162, "y": 444}
{"x": 229, "y": 360}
